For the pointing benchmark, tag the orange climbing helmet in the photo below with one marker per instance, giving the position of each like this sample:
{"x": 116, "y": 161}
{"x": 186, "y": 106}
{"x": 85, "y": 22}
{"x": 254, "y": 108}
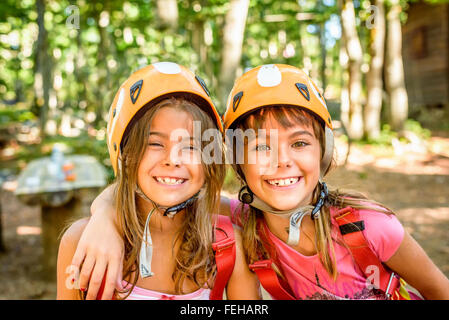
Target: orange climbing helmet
{"x": 278, "y": 84}
{"x": 147, "y": 87}
{"x": 274, "y": 84}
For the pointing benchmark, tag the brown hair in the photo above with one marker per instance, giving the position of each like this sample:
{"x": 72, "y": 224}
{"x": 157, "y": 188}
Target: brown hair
{"x": 255, "y": 248}
{"x": 194, "y": 258}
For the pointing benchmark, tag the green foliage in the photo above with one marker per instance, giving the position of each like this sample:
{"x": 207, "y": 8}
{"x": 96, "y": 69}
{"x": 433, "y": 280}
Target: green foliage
{"x": 415, "y": 127}
{"x": 115, "y": 38}
{"x": 387, "y": 135}
{"x": 12, "y": 115}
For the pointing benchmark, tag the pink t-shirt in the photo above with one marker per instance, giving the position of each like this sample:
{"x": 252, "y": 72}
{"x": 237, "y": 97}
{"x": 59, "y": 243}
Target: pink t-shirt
{"x": 146, "y": 294}
{"x": 309, "y": 279}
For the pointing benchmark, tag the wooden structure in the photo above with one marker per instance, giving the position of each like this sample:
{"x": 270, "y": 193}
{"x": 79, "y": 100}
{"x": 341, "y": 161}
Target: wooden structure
{"x": 62, "y": 200}
{"x": 426, "y": 55}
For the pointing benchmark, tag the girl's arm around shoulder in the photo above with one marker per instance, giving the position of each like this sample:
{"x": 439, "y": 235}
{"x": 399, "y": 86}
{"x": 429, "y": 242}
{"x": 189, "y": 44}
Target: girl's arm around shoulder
{"x": 243, "y": 284}
{"x": 67, "y": 282}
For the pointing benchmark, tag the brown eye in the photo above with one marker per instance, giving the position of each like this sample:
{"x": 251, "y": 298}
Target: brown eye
{"x": 299, "y": 144}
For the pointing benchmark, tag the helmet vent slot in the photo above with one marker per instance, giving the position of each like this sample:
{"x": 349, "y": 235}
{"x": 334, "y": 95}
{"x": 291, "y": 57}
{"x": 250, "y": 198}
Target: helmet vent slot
{"x": 304, "y": 91}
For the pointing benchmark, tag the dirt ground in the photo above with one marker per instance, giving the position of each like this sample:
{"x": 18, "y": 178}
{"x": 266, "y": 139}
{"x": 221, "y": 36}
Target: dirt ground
{"x": 411, "y": 181}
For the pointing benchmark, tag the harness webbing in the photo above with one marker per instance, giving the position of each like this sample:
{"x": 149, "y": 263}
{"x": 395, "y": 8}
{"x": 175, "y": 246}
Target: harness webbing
{"x": 351, "y": 228}
{"x": 224, "y": 248}
{"x": 365, "y": 258}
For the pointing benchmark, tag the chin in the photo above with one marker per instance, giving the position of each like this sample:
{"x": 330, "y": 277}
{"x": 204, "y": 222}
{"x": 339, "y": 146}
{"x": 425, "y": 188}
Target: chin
{"x": 284, "y": 204}
{"x": 172, "y": 200}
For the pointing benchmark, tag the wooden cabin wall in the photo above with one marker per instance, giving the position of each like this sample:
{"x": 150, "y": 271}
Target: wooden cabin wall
{"x": 426, "y": 55}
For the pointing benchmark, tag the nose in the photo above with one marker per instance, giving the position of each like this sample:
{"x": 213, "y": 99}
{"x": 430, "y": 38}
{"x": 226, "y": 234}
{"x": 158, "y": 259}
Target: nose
{"x": 171, "y": 158}
{"x": 283, "y": 159}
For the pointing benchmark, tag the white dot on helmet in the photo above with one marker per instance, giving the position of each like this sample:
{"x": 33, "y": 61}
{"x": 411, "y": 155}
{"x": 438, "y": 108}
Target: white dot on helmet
{"x": 269, "y": 76}
{"x": 167, "y": 67}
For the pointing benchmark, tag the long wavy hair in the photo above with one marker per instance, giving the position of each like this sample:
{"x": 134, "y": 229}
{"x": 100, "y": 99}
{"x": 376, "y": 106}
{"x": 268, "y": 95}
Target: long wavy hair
{"x": 255, "y": 247}
{"x": 194, "y": 258}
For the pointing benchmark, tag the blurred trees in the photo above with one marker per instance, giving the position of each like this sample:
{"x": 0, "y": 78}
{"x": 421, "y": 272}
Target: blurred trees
{"x": 354, "y": 118}
{"x": 233, "y": 32}
{"x": 64, "y": 60}
{"x": 394, "y": 68}
{"x": 374, "y": 83}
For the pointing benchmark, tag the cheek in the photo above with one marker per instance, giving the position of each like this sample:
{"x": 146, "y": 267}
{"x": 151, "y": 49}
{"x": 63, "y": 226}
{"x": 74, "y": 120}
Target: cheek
{"x": 197, "y": 174}
{"x": 147, "y": 162}
{"x": 311, "y": 161}
{"x": 250, "y": 171}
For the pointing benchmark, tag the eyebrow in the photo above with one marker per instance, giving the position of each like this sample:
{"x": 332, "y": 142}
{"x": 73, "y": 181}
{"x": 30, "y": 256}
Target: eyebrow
{"x": 294, "y": 134}
{"x": 301, "y": 133}
{"x": 165, "y": 136}
{"x": 155, "y": 133}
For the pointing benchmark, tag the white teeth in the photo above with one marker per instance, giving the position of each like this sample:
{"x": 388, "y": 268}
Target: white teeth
{"x": 283, "y": 182}
{"x": 169, "y": 181}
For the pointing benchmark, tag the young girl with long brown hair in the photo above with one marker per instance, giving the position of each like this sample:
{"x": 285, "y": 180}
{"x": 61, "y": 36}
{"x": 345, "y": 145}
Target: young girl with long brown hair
{"x": 165, "y": 195}
{"x": 303, "y": 239}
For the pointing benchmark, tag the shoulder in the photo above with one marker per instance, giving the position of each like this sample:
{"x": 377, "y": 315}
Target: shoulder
{"x": 374, "y": 217}
{"x": 240, "y": 260}
{"x": 383, "y": 231}
{"x": 378, "y": 221}
{"x": 65, "y": 270}
{"x": 72, "y": 235}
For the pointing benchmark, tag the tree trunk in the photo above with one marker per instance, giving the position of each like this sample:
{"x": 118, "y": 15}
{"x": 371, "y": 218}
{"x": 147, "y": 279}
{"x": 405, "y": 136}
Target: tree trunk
{"x": 233, "y": 33}
{"x": 374, "y": 81}
{"x": 354, "y": 50}
{"x": 167, "y": 12}
{"x": 80, "y": 76}
{"x": 394, "y": 69}
{"x": 344, "y": 94}
{"x": 323, "y": 57}
{"x": 104, "y": 74}
{"x": 306, "y": 60}
{"x": 42, "y": 76}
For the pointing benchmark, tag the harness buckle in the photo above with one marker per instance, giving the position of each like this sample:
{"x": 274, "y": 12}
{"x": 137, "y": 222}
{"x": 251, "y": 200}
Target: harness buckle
{"x": 223, "y": 244}
{"x": 387, "y": 291}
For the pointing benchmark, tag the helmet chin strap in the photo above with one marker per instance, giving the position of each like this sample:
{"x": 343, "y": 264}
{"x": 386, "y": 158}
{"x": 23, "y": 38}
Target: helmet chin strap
{"x": 146, "y": 248}
{"x": 168, "y": 211}
{"x": 297, "y": 214}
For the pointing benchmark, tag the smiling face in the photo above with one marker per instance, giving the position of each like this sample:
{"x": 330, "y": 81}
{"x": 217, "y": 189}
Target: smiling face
{"x": 170, "y": 170}
{"x": 291, "y": 178}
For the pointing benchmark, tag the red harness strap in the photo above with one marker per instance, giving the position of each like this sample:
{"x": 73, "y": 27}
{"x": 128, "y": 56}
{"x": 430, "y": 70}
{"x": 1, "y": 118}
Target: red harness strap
{"x": 224, "y": 248}
{"x": 351, "y": 228}
{"x": 277, "y": 288}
